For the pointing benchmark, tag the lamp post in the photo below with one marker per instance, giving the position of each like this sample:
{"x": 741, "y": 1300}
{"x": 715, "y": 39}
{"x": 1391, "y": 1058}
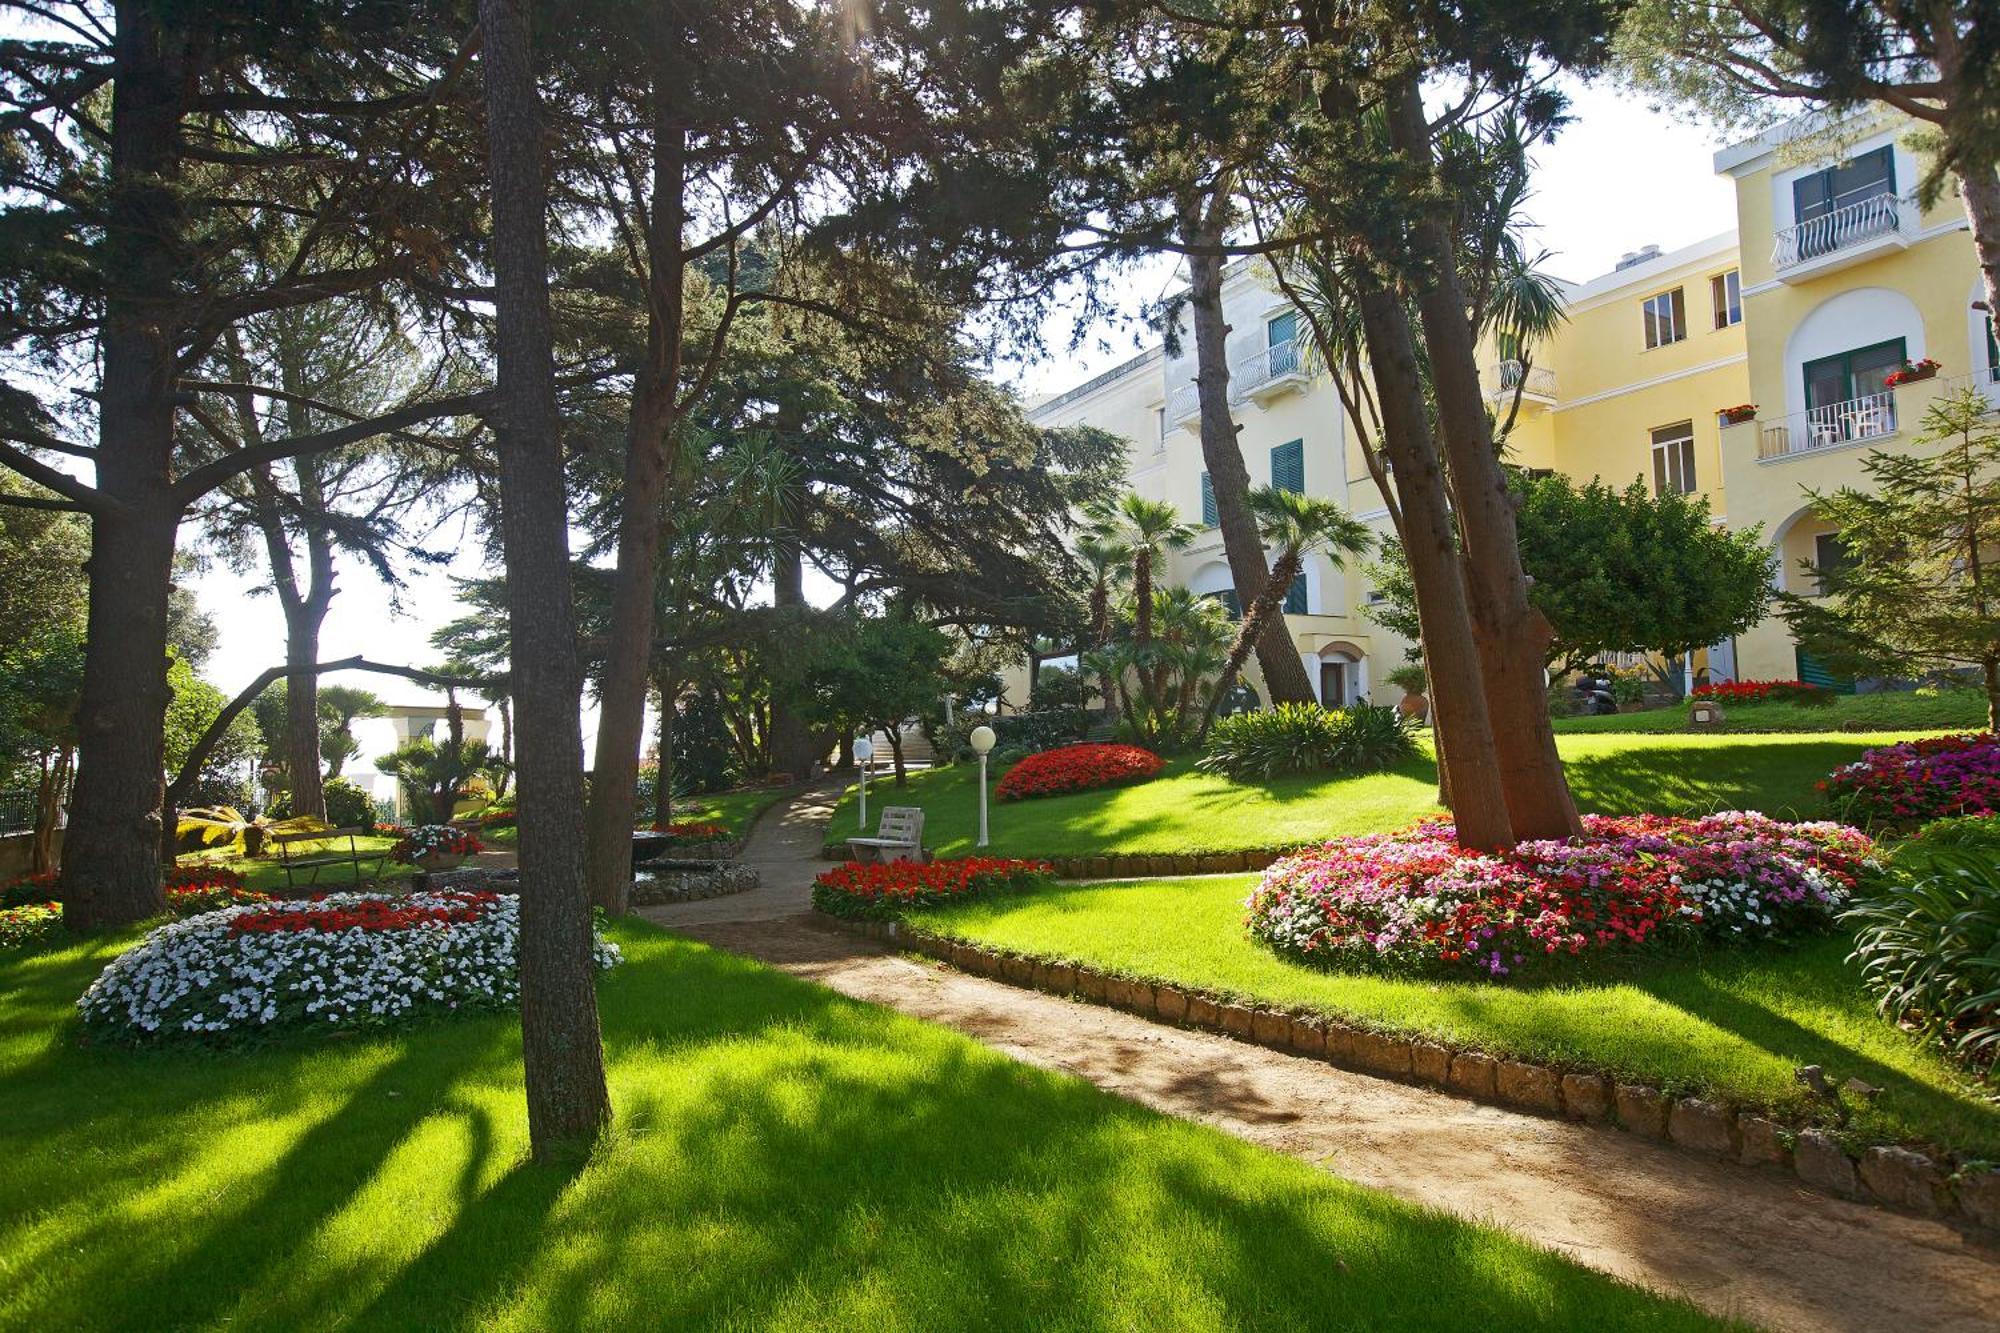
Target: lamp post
{"x": 982, "y": 744}
{"x": 864, "y": 750}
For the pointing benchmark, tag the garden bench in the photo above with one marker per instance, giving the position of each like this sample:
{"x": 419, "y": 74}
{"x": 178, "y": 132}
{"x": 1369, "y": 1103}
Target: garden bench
{"x": 899, "y": 837}
{"x": 317, "y": 861}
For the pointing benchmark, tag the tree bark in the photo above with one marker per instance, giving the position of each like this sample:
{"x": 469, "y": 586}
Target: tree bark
{"x": 648, "y": 462}
{"x": 1980, "y": 189}
{"x": 1511, "y": 635}
{"x": 1458, "y": 697}
{"x": 562, "y": 1050}
{"x": 790, "y": 740}
{"x": 1285, "y": 676}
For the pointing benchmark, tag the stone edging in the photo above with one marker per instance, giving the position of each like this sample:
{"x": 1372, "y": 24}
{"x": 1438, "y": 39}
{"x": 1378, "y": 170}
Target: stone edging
{"x": 1129, "y": 865}
{"x": 1889, "y": 1176}
{"x": 683, "y": 884}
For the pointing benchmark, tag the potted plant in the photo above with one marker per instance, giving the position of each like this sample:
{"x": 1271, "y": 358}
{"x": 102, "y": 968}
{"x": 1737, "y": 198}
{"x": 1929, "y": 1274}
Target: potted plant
{"x": 1737, "y": 415}
{"x": 1629, "y": 691}
{"x": 1911, "y": 372}
{"x": 434, "y": 847}
{"x": 1411, "y": 680}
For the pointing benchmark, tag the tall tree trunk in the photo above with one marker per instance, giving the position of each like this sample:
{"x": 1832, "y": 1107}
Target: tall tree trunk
{"x": 663, "y": 784}
{"x": 49, "y": 792}
{"x": 505, "y": 705}
{"x": 648, "y": 464}
{"x": 111, "y": 871}
{"x": 562, "y": 1051}
{"x": 1458, "y": 697}
{"x": 894, "y": 733}
{"x": 1285, "y": 676}
{"x": 302, "y": 710}
{"x": 791, "y": 742}
{"x": 1980, "y": 189}
{"x": 1511, "y": 634}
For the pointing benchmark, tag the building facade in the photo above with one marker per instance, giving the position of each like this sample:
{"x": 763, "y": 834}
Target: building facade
{"x": 1747, "y": 368}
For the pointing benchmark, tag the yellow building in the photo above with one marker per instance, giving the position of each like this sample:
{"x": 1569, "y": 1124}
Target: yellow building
{"x": 1833, "y": 279}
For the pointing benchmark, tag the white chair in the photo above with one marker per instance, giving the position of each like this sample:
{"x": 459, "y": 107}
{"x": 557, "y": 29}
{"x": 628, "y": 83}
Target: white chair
{"x": 899, "y": 837}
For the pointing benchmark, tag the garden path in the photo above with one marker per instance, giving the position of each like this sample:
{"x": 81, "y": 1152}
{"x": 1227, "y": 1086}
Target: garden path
{"x": 1737, "y": 1242}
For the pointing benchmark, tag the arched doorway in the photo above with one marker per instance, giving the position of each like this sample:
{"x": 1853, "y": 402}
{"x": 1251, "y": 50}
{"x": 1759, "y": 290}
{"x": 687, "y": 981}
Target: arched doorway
{"x": 1343, "y": 674}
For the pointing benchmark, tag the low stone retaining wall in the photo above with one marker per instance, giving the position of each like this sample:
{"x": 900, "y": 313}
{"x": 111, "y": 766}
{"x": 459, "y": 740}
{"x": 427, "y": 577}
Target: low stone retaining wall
{"x": 1893, "y": 1177}
{"x": 660, "y": 883}
{"x": 1132, "y": 865}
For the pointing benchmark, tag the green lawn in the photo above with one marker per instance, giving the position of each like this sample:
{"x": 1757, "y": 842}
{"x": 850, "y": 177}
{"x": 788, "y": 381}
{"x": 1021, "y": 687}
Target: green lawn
{"x": 1732, "y": 1024}
{"x": 784, "y": 1158}
{"x": 267, "y": 874}
{"x": 1183, "y": 810}
{"x": 1956, "y": 710}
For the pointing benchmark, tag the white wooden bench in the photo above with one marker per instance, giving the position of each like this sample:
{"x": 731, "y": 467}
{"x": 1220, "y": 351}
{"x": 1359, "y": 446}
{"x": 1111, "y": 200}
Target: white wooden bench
{"x": 899, "y": 837}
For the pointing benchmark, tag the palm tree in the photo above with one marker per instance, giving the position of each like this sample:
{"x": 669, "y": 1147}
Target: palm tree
{"x": 1101, "y": 550}
{"x": 1296, "y": 524}
{"x": 1148, "y": 529}
{"x": 1194, "y": 638}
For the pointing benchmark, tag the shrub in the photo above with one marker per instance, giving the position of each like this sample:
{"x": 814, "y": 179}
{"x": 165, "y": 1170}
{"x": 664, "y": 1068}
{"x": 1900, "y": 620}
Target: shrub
{"x": 1417, "y": 900}
{"x": 1306, "y": 738}
{"x": 1076, "y": 768}
{"x": 30, "y": 924}
{"x": 339, "y": 961}
{"x": 425, "y": 839}
{"x": 882, "y": 890}
{"x": 1929, "y": 948}
{"x": 1914, "y": 782}
{"x": 1762, "y": 691}
{"x": 347, "y": 806}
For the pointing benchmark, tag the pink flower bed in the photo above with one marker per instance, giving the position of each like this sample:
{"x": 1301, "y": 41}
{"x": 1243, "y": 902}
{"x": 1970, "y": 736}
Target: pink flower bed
{"x": 1917, "y": 781}
{"x": 1417, "y": 900}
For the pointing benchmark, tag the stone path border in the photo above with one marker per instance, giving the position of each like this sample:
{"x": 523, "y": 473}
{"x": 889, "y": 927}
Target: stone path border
{"x": 1892, "y": 1177}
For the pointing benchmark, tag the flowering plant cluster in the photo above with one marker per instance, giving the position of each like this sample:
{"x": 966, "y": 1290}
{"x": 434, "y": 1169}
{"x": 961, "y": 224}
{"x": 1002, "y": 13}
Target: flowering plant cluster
{"x": 698, "y": 830}
{"x": 30, "y": 923}
{"x": 341, "y": 960}
{"x": 1076, "y": 768}
{"x": 881, "y": 890}
{"x": 202, "y": 875}
{"x": 29, "y": 890}
{"x": 1916, "y": 781}
{"x": 194, "y": 899}
{"x": 441, "y": 839}
{"x": 1417, "y": 900}
{"x": 1759, "y": 691}
{"x": 1911, "y": 371}
{"x": 500, "y": 819}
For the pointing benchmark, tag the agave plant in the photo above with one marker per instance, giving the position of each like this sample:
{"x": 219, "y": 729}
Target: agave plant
{"x": 226, "y": 826}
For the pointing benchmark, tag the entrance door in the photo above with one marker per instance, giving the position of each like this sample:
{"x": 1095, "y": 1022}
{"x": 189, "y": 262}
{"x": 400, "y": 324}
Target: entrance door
{"x": 1333, "y": 680}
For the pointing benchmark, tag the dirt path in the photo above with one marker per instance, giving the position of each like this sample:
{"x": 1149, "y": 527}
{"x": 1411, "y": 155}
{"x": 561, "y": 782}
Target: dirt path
{"x": 1738, "y": 1242}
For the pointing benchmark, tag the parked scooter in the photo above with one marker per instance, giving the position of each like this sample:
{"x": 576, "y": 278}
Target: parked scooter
{"x": 1593, "y": 695}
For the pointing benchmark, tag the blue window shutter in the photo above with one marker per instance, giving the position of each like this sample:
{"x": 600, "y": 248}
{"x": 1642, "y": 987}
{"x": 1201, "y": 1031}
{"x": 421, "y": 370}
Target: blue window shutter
{"x": 1209, "y": 517}
{"x": 1288, "y": 467}
{"x": 1295, "y": 596}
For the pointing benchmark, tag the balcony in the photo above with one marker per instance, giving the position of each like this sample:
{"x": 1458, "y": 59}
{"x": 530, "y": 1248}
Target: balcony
{"x": 1872, "y": 416}
{"x": 1856, "y": 231}
{"x": 1271, "y": 373}
{"x": 1184, "y": 407}
{"x": 1536, "y": 383}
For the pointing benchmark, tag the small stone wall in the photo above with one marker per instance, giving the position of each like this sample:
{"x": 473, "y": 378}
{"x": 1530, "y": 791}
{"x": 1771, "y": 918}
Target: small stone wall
{"x": 662, "y": 882}
{"x": 1132, "y": 865}
{"x": 1893, "y": 1177}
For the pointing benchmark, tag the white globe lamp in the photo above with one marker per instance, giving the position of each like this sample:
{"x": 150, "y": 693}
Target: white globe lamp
{"x": 982, "y": 739}
{"x": 864, "y": 750}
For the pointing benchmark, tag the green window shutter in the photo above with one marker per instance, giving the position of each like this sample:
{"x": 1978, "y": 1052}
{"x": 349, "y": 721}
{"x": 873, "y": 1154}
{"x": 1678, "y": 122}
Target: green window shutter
{"x": 1231, "y": 602}
{"x": 1295, "y": 597}
{"x": 1288, "y": 467}
{"x": 1209, "y": 516}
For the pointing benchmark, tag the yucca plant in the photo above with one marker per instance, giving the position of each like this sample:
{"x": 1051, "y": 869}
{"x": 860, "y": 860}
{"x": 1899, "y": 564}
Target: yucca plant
{"x": 1307, "y": 738}
{"x": 1929, "y": 948}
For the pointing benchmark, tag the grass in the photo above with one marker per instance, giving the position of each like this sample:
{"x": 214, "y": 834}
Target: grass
{"x": 1730, "y": 1024}
{"x": 1184, "y": 810}
{"x": 266, "y": 873}
{"x": 1953, "y": 710}
{"x": 784, "y": 1158}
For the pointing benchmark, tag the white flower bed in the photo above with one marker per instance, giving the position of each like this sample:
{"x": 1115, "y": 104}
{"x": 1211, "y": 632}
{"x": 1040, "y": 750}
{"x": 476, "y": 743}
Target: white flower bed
{"x": 344, "y": 960}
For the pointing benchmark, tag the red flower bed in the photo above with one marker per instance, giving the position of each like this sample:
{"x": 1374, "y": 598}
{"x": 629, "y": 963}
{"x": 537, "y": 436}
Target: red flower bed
{"x": 698, "y": 830}
{"x": 353, "y": 912}
{"x": 1758, "y": 691}
{"x": 881, "y": 890}
{"x": 29, "y": 890}
{"x": 1077, "y": 768}
{"x": 202, "y": 877}
{"x": 1917, "y": 781}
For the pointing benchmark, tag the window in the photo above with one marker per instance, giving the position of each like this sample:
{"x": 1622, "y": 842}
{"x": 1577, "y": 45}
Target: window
{"x": 1992, "y": 353}
{"x": 1866, "y": 177}
{"x": 1725, "y": 290}
{"x": 1295, "y": 596}
{"x": 1508, "y": 345}
{"x": 1209, "y": 515}
{"x": 1288, "y": 467}
{"x": 1230, "y": 602}
{"x": 1666, "y": 318}
{"x": 1846, "y": 376}
{"x": 1673, "y": 459}
{"x": 1829, "y": 555}
{"x": 1160, "y": 431}
{"x": 1281, "y": 338}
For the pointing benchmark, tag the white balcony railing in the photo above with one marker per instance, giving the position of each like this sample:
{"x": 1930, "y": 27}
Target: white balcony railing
{"x": 1277, "y": 362}
{"x": 1869, "y": 417}
{"x": 1184, "y": 404}
{"x": 1532, "y": 381}
{"x": 1852, "y": 224}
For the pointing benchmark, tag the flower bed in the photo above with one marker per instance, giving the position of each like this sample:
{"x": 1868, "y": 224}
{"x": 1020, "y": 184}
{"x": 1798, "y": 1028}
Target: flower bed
{"x": 693, "y": 831}
{"x": 1077, "y": 768}
{"x": 1416, "y": 900}
{"x": 341, "y": 960}
{"x": 29, "y": 924}
{"x": 29, "y": 890}
{"x": 1760, "y": 691}
{"x": 435, "y": 840}
{"x": 880, "y": 891}
{"x": 1916, "y": 781}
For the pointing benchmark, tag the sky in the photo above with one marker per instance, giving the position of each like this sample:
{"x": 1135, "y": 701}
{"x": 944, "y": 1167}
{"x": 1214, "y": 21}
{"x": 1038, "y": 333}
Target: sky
{"x": 1621, "y": 177}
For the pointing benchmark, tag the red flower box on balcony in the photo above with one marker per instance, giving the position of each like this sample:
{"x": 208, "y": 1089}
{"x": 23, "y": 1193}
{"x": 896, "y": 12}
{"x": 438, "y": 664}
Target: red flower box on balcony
{"x": 1911, "y": 372}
